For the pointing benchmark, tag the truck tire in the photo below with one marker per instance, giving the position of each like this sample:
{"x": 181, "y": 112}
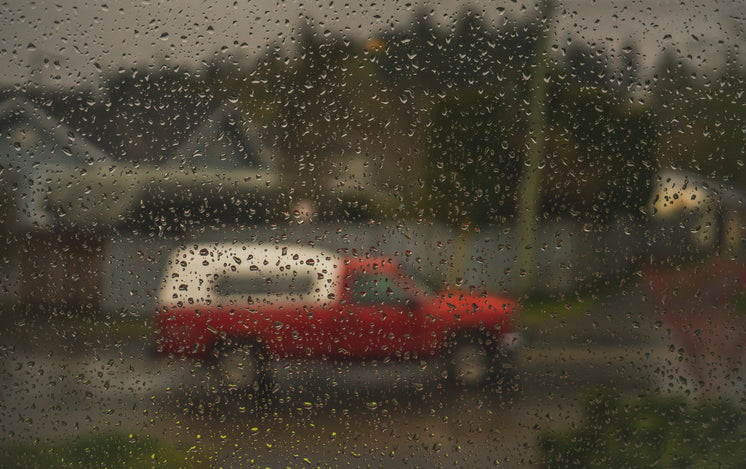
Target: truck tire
{"x": 470, "y": 364}
{"x": 477, "y": 362}
{"x": 242, "y": 368}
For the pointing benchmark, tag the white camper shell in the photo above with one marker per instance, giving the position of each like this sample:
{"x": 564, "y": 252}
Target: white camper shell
{"x": 220, "y": 274}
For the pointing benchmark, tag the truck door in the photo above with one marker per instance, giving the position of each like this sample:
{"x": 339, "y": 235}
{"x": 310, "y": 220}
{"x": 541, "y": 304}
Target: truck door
{"x": 380, "y": 316}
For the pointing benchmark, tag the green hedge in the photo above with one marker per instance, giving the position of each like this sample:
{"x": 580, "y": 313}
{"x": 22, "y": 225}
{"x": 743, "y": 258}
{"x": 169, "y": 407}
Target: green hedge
{"x": 650, "y": 431}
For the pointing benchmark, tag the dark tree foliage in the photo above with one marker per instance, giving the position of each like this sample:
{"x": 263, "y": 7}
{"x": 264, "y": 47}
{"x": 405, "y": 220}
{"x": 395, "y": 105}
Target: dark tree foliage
{"x": 151, "y": 112}
{"x": 440, "y": 112}
{"x": 602, "y": 153}
{"x": 473, "y": 160}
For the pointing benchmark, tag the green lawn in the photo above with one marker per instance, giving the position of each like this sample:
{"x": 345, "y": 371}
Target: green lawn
{"x": 536, "y": 312}
{"x": 73, "y": 328}
{"x": 107, "y": 450}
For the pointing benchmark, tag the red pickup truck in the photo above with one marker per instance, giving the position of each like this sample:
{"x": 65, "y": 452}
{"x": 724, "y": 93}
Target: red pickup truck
{"x": 241, "y": 306}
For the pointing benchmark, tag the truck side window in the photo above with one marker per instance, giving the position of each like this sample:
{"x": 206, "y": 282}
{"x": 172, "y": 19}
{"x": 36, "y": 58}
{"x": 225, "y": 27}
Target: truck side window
{"x": 377, "y": 289}
{"x": 261, "y": 286}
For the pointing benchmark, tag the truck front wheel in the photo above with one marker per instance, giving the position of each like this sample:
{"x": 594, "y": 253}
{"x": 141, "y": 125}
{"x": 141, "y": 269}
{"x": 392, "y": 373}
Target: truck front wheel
{"x": 477, "y": 361}
{"x": 470, "y": 362}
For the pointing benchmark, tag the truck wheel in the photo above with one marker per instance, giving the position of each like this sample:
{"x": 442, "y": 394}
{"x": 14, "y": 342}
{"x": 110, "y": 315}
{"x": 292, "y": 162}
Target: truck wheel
{"x": 505, "y": 377}
{"x": 243, "y": 368}
{"x": 471, "y": 364}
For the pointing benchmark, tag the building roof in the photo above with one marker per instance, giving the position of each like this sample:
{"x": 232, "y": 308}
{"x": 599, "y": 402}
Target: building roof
{"x": 65, "y": 180}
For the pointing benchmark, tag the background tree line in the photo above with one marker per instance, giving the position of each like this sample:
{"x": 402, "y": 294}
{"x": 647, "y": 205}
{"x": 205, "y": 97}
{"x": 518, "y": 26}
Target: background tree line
{"x": 438, "y": 114}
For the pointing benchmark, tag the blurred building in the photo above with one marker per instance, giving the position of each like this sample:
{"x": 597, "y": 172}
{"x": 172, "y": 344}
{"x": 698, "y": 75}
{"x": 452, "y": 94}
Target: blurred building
{"x": 692, "y": 213}
{"x": 66, "y": 201}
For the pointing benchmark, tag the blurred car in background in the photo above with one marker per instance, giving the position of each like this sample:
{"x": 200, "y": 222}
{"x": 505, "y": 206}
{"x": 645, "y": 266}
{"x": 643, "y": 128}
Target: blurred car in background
{"x": 240, "y": 306}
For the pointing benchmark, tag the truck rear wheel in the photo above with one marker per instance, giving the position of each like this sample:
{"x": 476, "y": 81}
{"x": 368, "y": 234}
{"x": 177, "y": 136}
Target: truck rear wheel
{"x": 243, "y": 368}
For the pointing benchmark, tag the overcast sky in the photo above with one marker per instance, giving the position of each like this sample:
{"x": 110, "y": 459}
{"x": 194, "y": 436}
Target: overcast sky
{"x": 69, "y": 43}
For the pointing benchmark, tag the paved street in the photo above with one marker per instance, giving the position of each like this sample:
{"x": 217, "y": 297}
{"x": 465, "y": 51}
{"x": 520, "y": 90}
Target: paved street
{"x": 392, "y": 414}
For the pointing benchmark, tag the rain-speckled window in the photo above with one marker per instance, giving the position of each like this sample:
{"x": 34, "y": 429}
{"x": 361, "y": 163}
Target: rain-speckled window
{"x": 392, "y": 234}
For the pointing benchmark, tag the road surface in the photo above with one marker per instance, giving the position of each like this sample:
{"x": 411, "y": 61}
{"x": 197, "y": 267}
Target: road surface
{"x": 393, "y": 415}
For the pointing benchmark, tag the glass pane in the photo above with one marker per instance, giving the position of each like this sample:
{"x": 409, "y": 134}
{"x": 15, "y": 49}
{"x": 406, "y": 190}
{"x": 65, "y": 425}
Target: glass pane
{"x": 427, "y": 234}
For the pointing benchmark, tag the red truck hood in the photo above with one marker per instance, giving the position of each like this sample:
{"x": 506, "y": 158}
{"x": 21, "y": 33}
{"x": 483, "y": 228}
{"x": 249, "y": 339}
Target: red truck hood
{"x": 464, "y": 308}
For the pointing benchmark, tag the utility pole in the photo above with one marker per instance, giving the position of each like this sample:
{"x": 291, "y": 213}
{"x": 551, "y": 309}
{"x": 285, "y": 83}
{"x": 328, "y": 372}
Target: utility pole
{"x": 528, "y": 202}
